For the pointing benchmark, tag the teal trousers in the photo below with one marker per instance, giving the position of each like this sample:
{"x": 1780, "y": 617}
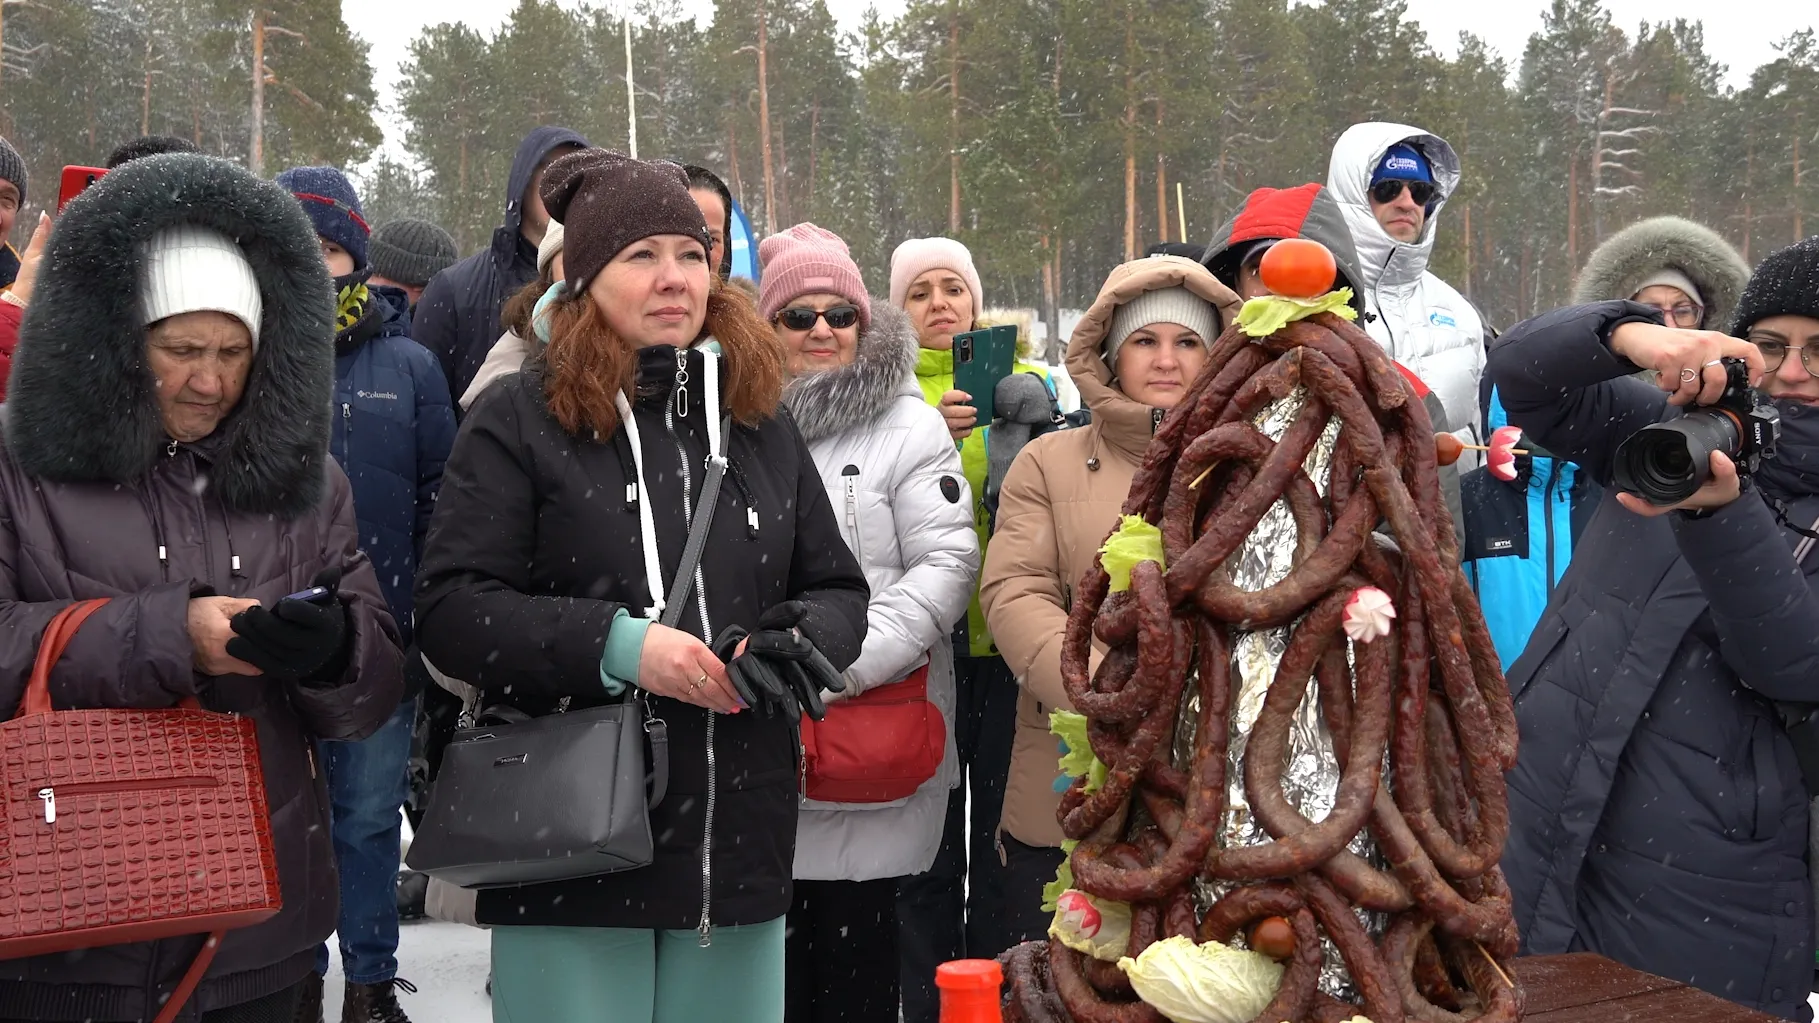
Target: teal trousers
{"x": 614, "y": 975}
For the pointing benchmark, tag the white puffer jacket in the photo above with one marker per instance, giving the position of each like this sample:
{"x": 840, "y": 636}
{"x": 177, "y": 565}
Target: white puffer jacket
{"x": 895, "y": 481}
{"x": 1419, "y": 319}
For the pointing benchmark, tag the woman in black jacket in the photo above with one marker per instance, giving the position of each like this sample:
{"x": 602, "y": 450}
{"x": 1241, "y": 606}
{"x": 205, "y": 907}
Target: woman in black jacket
{"x": 539, "y": 587}
{"x": 1657, "y": 810}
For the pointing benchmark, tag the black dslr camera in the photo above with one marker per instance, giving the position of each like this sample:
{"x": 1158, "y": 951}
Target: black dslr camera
{"x": 1667, "y": 462}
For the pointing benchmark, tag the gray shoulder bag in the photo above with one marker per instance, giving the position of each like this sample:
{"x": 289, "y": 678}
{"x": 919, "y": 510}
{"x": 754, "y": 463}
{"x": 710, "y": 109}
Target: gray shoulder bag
{"x": 523, "y": 800}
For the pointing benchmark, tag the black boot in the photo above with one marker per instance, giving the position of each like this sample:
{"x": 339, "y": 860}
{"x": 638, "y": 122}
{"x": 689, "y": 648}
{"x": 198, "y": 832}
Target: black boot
{"x": 309, "y": 1007}
{"x": 413, "y": 891}
{"x": 375, "y": 1003}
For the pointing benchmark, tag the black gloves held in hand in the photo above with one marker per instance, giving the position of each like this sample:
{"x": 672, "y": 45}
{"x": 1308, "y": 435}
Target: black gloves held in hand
{"x": 780, "y": 669}
{"x": 296, "y": 639}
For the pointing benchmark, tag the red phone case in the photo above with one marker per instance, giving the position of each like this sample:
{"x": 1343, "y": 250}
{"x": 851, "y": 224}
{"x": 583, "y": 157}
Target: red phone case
{"x": 75, "y": 179}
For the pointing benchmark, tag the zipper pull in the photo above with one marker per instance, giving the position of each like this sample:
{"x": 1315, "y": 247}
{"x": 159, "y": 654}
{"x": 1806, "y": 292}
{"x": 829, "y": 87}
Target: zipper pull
{"x": 849, "y": 478}
{"x": 681, "y": 384}
{"x": 50, "y": 804}
{"x": 706, "y": 931}
{"x": 170, "y": 450}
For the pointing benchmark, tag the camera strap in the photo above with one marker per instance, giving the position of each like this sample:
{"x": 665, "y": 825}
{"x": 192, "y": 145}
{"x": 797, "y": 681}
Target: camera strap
{"x": 1809, "y": 536}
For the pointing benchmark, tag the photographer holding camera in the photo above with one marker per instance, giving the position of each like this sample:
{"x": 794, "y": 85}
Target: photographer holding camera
{"x": 1658, "y": 810}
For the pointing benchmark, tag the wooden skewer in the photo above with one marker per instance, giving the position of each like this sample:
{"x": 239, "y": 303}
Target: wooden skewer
{"x": 1483, "y": 447}
{"x": 1202, "y": 477}
{"x": 1487, "y": 958}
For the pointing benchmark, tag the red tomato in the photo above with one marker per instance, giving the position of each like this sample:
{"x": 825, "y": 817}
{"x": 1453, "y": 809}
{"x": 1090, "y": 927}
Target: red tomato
{"x": 1298, "y": 268}
{"x": 1274, "y": 937}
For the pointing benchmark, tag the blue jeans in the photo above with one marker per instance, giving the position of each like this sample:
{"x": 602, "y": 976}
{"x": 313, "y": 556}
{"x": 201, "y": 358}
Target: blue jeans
{"x": 367, "y": 786}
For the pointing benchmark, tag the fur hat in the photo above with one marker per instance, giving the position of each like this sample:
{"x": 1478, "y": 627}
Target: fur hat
{"x": 80, "y": 405}
{"x": 610, "y": 201}
{"x": 329, "y": 201}
{"x": 805, "y": 260}
{"x": 1629, "y": 259}
{"x": 918, "y": 256}
{"x": 411, "y": 251}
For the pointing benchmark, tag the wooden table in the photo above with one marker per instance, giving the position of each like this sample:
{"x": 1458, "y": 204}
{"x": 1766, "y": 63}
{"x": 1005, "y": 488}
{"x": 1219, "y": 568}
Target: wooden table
{"x": 1588, "y": 988}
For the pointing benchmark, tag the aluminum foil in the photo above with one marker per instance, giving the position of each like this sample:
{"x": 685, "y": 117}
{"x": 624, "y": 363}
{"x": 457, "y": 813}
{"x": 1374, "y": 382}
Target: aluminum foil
{"x": 1311, "y": 780}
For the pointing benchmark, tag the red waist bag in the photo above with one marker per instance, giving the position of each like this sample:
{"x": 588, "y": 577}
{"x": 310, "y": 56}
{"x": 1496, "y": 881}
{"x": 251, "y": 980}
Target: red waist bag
{"x": 876, "y": 747}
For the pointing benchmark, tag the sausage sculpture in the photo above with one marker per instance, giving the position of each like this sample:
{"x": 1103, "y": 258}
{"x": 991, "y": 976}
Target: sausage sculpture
{"x": 1419, "y": 714}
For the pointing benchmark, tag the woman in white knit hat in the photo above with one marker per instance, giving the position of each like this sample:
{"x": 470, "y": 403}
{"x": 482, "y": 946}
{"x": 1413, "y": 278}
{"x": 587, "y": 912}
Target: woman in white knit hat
{"x": 1133, "y": 356}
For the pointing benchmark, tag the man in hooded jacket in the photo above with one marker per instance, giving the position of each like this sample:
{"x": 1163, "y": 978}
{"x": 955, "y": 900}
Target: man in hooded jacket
{"x": 1419, "y": 319}
{"x": 457, "y": 318}
{"x": 1658, "y": 813}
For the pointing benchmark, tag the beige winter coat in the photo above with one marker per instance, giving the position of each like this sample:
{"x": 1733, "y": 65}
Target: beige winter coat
{"x": 1061, "y": 499}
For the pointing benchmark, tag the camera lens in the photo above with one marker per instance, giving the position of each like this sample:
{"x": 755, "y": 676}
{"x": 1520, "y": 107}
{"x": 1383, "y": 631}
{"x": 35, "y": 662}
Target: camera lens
{"x": 1666, "y": 463}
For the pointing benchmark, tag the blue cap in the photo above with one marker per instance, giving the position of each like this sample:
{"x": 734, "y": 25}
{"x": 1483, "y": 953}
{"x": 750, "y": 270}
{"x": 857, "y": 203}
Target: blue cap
{"x": 328, "y": 199}
{"x": 1402, "y": 162}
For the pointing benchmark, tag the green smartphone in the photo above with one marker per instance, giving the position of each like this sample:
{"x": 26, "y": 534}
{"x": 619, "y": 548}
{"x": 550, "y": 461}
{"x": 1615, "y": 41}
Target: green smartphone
{"x": 981, "y": 359}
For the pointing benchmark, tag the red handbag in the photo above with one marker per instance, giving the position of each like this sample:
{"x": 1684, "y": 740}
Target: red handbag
{"x": 125, "y": 826}
{"x": 876, "y": 747}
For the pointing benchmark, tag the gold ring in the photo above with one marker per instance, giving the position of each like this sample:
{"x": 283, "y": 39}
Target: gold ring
{"x": 698, "y": 683}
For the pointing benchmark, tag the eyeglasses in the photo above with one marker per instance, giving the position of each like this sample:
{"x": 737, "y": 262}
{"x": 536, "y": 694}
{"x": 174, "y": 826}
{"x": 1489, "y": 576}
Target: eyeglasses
{"x": 1774, "y": 353}
{"x": 1687, "y": 316}
{"x": 839, "y": 317}
{"x": 1386, "y": 191}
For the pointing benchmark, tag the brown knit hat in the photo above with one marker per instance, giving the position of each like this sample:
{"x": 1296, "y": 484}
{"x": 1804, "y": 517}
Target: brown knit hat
{"x": 607, "y": 200}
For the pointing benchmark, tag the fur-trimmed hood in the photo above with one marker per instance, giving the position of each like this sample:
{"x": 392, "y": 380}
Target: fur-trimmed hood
{"x": 81, "y": 406}
{"x": 832, "y": 402}
{"x": 1629, "y": 257}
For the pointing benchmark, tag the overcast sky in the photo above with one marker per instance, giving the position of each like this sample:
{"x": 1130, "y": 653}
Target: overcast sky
{"x": 1741, "y": 37}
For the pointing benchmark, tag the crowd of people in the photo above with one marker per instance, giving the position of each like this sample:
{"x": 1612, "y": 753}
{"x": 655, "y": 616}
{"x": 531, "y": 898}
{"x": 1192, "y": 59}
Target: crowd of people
{"x": 339, "y": 481}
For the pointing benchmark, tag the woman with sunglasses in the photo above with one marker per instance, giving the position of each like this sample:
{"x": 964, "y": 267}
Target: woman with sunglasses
{"x": 1391, "y": 181}
{"x": 557, "y": 538}
{"x": 894, "y": 477}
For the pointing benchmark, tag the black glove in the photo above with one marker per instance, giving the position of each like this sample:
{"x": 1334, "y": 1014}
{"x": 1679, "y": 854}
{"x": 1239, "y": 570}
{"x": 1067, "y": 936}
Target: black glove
{"x": 296, "y": 639}
{"x": 780, "y": 669}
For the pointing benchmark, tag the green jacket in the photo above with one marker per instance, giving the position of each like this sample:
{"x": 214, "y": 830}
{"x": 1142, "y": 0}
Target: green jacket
{"x": 935, "y": 373}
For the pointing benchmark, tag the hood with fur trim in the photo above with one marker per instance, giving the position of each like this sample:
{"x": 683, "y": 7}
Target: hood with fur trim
{"x": 1124, "y": 422}
{"x": 1629, "y": 257}
{"x": 81, "y": 404}
{"x": 831, "y": 402}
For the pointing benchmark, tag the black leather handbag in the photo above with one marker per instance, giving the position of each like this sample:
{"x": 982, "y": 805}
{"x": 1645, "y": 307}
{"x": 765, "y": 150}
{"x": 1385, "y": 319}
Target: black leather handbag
{"x": 523, "y": 800}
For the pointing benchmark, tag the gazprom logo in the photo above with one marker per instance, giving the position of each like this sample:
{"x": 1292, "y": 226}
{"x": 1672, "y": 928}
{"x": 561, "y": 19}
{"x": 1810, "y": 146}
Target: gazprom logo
{"x": 1401, "y": 163}
{"x": 1441, "y": 320}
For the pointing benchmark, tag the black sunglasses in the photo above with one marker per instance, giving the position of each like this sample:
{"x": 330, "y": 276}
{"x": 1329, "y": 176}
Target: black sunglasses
{"x": 839, "y": 317}
{"x": 1423, "y": 192}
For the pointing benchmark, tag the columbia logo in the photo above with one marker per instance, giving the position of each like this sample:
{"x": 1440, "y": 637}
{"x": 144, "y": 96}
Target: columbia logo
{"x": 387, "y": 395}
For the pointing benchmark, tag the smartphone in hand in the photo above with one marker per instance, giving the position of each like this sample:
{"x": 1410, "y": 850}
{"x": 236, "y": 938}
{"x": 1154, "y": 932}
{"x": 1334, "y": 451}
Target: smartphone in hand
{"x": 981, "y": 359}
{"x": 75, "y": 181}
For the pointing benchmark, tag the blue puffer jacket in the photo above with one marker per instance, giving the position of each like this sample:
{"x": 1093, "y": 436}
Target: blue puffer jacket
{"x": 1657, "y": 811}
{"x": 394, "y": 426}
{"x": 1520, "y": 535}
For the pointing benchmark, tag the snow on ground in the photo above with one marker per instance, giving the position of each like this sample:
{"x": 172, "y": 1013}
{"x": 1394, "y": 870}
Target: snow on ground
{"x": 447, "y": 962}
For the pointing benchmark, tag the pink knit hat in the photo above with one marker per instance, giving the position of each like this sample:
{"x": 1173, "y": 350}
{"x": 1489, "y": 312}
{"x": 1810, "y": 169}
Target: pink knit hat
{"x": 806, "y": 260}
{"x": 920, "y": 255}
